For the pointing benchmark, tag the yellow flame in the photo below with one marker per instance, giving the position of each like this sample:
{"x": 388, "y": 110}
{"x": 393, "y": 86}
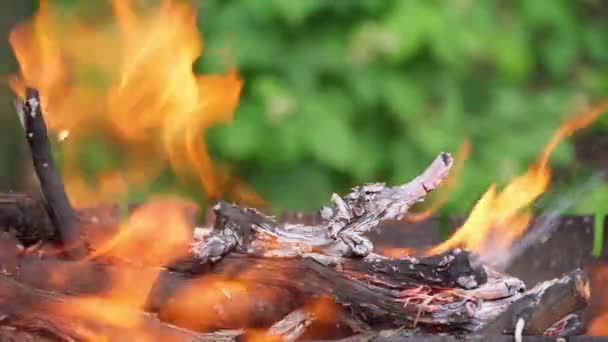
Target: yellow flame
{"x": 499, "y": 218}
{"x": 131, "y": 77}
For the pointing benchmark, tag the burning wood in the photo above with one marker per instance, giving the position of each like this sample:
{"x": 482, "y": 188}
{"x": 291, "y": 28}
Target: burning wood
{"x": 87, "y": 274}
{"x": 545, "y": 305}
{"x": 37, "y": 313}
{"x": 61, "y": 212}
{"x": 288, "y": 267}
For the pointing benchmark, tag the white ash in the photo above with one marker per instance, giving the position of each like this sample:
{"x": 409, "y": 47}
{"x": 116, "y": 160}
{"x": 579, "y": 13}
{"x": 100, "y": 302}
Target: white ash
{"x": 33, "y": 103}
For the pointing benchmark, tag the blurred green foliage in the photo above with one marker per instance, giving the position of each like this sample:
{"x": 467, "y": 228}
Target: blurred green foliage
{"x": 342, "y": 92}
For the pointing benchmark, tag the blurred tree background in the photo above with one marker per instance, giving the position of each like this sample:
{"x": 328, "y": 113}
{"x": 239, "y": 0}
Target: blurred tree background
{"x": 338, "y": 93}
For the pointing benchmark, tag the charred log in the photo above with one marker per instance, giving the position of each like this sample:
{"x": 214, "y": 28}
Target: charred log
{"x": 570, "y": 325}
{"x": 26, "y": 218}
{"x": 288, "y": 283}
{"x": 49, "y": 314}
{"x": 544, "y": 305}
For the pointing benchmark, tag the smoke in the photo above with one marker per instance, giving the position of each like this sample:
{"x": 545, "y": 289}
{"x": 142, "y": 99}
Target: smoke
{"x": 548, "y": 221}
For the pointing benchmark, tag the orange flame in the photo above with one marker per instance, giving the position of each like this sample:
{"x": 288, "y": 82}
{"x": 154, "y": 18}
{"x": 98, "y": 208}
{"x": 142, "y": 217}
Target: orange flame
{"x": 599, "y": 304}
{"x": 499, "y": 218}
{"x": 599, "y": 326}
{"x": 159, "y": 227}
{"x": 131, "y": 78}
{"x": 397, "y": 252}
{"x": 324, "y": 313}
{"x": 156, "y": 233}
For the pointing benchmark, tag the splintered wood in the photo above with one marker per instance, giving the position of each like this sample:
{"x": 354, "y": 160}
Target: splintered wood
{"x": 288, "y": 281}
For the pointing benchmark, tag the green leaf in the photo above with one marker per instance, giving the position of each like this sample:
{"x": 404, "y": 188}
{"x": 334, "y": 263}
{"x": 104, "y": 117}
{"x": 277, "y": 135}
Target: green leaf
{"x": 330, "y": 141}
{"x": 403, "y": 97}
{"x": 512, "y": 55}
{"x": 410, "y": 23}
{"x": 304, "y": 187}
{"x": 242, "y": 137}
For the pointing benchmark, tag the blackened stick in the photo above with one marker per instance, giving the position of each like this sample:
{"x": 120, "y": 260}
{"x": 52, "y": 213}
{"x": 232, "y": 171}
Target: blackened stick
{"x": 61, "y": 212}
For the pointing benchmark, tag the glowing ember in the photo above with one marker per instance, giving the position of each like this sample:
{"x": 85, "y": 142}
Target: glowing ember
{"x": 397, "y": 252}
{"x": 63, "y": 134}
{"x": 499, "y": 218}
{"x": 131, "y": 78}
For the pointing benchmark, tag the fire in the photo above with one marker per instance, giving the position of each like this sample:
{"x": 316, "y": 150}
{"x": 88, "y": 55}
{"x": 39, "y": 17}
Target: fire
{"x": 130, "y": 79}
{"x": 500, "y": 217}
{"x": 599, "y": 310}
{"x": 159, "y": 227}
{"x": 217, "y": 300}
{"x": 397, "y": 252}
{"x": 323, "y": 312}
{"x": 155, "y": 234}
{"x": 599, "y": 326}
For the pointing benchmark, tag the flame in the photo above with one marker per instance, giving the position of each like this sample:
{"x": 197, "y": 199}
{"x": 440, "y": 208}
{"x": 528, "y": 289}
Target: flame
{"x": 443, "y": 192}
{"x": 500, "y": 217}
{"x": 397, "y": 252}
{"x": 599, "y": 326}
{"x": 324, "y": 313}
{"x": 216, "y": 301}
{"x": 159, "y": 227}
{"x": 129, "y": 80}
{"x": 599, "y": 306}
{"x": 129, "y": 77}
{"x": 92, "y": 312}
{"x": 155, "y": 233}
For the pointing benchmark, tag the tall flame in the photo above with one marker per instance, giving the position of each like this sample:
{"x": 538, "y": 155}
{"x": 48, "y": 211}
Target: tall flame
{"x": 500, "y": 217}
{"x": 130, "y": 77}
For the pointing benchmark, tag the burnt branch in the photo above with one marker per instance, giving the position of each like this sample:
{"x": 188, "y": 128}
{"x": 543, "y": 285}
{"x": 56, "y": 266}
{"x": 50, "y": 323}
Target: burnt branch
{"x": 26, "y": 218}
{"x": 282, "y": 286}
{"x": 341, "y": 234}
{"x": 570, "y": 325}
{"x": 60, "y": 210}
{"x": 544, "y": 305}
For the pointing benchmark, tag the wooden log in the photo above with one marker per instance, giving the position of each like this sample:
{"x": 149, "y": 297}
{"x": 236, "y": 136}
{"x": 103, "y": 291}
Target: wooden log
{"x": 402, "y": 337}
{"x": 27, "y": 218}
{"x": 570, "y": 325}
{"x": 66, "y": 318}
{"x": 544, "y": 305}
{"x": 61, "y": 212}
{"x": 288, "y": 283}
